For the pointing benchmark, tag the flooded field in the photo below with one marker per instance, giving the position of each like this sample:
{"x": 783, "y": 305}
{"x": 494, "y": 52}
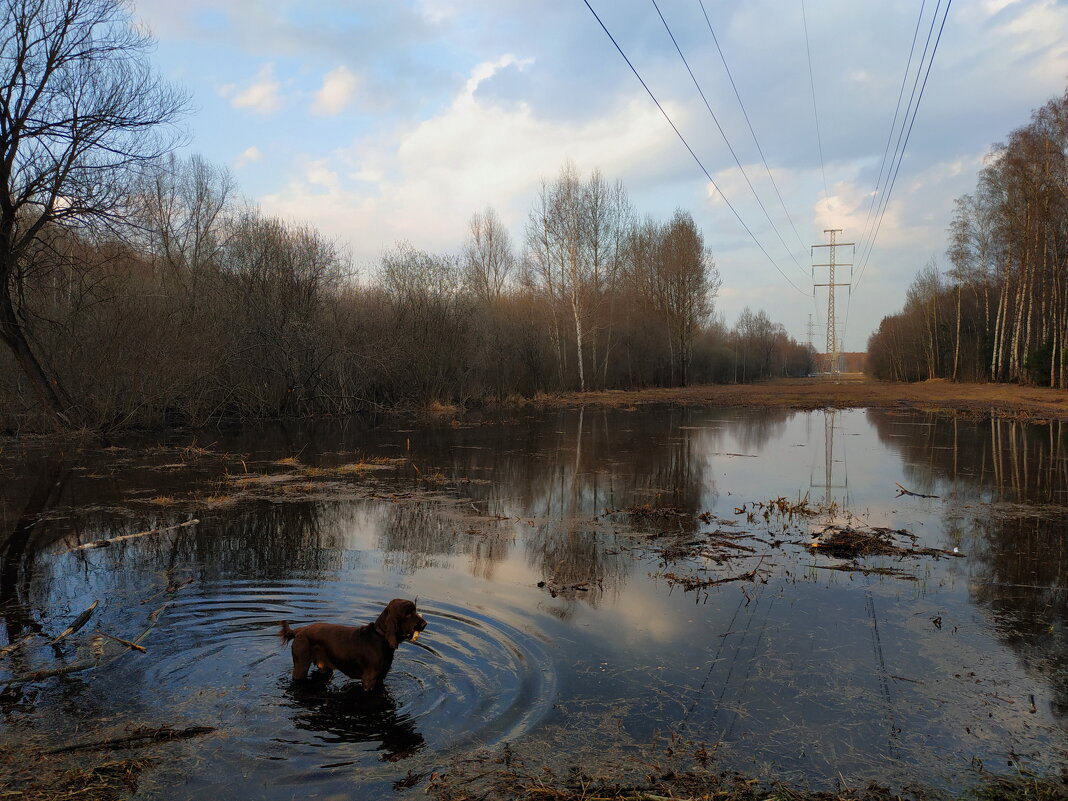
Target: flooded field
{"x": 809, "y": 597}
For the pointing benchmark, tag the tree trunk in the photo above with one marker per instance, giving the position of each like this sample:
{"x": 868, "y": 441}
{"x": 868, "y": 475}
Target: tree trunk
{"x": 956, "y": 345}
{"x": 578, "y": 341}
{"x": 47, "y": 390}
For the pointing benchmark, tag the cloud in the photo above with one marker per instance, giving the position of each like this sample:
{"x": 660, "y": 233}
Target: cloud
{"x": 338, "y": 89}
{"x": 422, "y": 181}
{"x": 262, "y": 96}
{"x": 249, "y": 155}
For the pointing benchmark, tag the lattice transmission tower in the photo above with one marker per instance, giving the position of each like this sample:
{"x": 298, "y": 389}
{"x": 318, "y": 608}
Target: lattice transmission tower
{"x": 833, "y": 346}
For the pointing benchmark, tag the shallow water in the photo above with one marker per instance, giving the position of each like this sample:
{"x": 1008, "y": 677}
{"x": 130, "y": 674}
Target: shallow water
{"x": 804, "y": 673}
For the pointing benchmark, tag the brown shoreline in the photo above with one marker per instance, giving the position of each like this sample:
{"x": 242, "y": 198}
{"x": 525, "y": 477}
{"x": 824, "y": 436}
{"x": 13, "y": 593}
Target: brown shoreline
{"x": 854, "y": 391}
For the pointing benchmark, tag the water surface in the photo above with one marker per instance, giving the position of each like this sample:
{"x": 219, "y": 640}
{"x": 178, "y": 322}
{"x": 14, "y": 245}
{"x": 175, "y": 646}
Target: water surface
{"x": 556, "y": 623}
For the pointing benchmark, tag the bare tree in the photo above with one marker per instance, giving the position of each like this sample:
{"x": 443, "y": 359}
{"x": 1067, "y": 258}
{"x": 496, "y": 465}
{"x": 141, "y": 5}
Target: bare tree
{"x": 181, "y": 210}
{"x": 575, "y": 237}
{"x": 80, "y": 110}
{"x": 488, "y": 260}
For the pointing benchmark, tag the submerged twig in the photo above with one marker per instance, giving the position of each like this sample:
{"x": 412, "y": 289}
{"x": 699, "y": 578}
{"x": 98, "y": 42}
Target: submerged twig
{"x": 143, "y": 736}
{"x": 7, "y": 649}
{"x": 37, "y": 675}
{"x": 120, "y": 640}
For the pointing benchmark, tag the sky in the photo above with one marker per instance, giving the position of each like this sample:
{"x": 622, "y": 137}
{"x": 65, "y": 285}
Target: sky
{"x": 385, "y": 121}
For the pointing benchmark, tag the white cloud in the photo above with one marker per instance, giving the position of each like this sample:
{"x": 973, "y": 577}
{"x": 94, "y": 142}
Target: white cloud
{"x": 422, "y": 182}
{"x": 262, "y": 96}
{"x": 436, "y": 11}
{"x": 338, "y": 90}
{"x": 249, "y": 155}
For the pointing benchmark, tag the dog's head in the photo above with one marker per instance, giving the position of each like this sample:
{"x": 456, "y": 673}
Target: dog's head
{"x": 400, "y": 621}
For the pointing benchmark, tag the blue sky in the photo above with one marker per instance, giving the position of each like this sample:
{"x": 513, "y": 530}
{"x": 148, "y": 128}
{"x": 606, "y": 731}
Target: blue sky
{"x": 389, "y": 120}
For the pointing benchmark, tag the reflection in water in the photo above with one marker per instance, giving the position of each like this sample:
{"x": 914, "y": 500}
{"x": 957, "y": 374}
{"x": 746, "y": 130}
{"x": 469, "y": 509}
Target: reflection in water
{"x": 1007, "y": 505}
{"x": 830, "y": 482}
{"x": 18, "y": 620}
{"x": 851, "y": 662}
{"x": 347, "y": 714}
{"x": 994, "y": 460}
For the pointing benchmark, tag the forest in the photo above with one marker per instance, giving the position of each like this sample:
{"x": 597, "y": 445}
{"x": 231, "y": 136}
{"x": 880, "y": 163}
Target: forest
{"x": 139, "y": 289}
{"x": 1000, "y": 312}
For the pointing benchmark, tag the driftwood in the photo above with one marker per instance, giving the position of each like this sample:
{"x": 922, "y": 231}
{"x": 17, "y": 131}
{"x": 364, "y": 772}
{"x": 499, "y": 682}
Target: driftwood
{"x": 902, "y": 491}
{"x": 121, "y": 641}
{"x": 142, "y": 736}
{"x": 79, "y": 621}
{"x": 124, "y": 537}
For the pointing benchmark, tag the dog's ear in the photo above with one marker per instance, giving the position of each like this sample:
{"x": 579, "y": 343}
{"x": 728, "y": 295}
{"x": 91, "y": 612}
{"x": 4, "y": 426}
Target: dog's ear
{"x": 388, "y": 625}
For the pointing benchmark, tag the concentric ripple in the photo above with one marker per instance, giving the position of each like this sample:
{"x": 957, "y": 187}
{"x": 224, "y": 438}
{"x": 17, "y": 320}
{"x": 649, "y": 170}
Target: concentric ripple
{"x": 473, "y": 679}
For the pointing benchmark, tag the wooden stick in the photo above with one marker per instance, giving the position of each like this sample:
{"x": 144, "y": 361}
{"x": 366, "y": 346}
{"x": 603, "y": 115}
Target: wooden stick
{"x": 80, "y": 621}
{"x": 127, "y": 643}
{"x": 122, "y": 538}
{"x": 902, "y": 491}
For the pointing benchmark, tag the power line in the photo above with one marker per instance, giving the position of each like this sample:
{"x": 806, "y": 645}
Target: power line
{"x": 915, "y": 110}
{"x": 690, "y": 149}
{"x": 815, "y": 112}
{"x": 893, "y": 126}
{"x": 745, "y": 114}
{"x": 898, "y": 149}
{"x": 723, "y": 133}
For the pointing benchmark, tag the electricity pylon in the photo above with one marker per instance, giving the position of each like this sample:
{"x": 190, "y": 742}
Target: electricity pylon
{"x": 833, "y": 366}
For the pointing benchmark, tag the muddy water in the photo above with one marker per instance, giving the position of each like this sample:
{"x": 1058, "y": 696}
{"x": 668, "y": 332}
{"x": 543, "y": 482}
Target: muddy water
{"x": 550, "y": 556}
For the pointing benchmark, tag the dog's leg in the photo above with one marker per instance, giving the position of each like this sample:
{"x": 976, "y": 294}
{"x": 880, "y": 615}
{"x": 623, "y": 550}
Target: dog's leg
{"x": 302, "y": 657}
{"x": 370, "y": 679}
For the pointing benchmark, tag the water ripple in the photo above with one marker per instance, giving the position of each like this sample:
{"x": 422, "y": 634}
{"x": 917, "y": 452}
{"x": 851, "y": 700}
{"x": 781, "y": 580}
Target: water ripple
{"x": 474, "y": 678}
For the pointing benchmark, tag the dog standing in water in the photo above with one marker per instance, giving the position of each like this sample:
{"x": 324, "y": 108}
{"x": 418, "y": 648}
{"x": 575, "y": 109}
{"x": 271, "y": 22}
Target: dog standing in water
{"x": 360, "y": 652}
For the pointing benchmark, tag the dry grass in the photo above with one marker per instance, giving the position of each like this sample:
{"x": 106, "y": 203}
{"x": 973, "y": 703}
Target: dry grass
{"x": 218, "y": 501}
{"x": 690, "y": 776}
{"x": 37, "y": 778}
{"x": 440, "y": 408}
{"x": 354, "y": 468}
{"x": 1001, "y": 400}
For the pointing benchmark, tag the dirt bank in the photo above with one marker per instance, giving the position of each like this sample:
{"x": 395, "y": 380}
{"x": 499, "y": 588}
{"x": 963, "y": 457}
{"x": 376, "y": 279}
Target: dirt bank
{"x": 854, "y": 391}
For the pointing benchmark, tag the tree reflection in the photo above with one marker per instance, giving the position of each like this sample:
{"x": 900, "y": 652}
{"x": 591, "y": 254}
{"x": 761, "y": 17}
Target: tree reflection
{"x": 1006, "y": 487}
{"x": 16, "y": 555}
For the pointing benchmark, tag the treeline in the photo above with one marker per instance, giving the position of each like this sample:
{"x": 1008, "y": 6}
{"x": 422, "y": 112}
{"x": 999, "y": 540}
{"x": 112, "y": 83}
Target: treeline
{"x": 1000, "y": 313}
{"x": 139, "y": 289}
{"x": 205, "y": 308}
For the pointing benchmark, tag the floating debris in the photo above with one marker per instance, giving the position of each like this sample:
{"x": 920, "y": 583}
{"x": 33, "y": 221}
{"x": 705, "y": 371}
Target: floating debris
{"x": 846, "y": 542}
{"x": 646, "y": 510}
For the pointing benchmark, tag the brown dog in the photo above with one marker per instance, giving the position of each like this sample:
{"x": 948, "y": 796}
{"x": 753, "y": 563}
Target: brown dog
{"x": 360, "y": 652}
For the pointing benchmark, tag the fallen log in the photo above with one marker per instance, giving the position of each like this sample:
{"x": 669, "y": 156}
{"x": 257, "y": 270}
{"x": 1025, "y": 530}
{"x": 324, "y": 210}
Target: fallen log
{"x": 124, "y": 537}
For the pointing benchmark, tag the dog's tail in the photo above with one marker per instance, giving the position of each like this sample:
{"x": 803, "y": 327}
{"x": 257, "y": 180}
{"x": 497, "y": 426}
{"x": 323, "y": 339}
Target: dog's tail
{"x": 285, "y": 633}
